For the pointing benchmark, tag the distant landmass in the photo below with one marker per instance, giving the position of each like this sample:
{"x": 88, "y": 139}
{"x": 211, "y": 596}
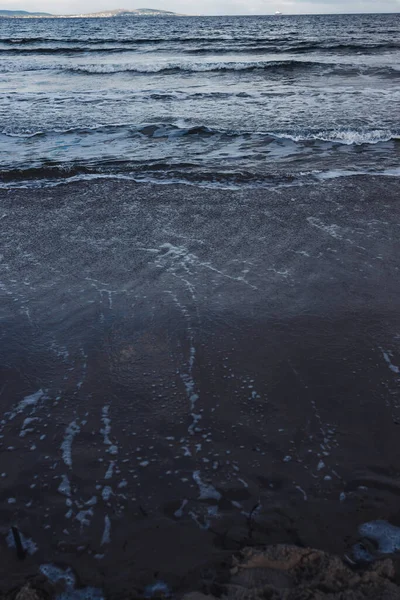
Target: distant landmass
{"x": 23, "y": 13}
{"x": 106, "y": 14}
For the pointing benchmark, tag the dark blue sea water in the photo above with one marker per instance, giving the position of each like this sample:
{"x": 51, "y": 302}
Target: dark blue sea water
{"x": 227, "y": 100}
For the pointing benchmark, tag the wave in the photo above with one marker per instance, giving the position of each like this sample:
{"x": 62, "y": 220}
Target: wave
{"x": 196, "y": 67}
{"x": 357, "y": 47}
{"x": 158, "y": 171}
{"x": 47, "y": 176}
{"x": 238, "y": 48}
{"x": 82, "y": 40}
{"x": 151, "y": 130}
{"x": 356, "y": 44}
{"x": 272, "y": 67}
{"x": 66, "y": 50}
{"x": 214, "y": 45}
{"x": 301, "y": 48}
{"x": 139, "y": 96}
{"x": 133, "y": 40}
{"x": 348, "y": 137}
{"x": 171, "y": 68}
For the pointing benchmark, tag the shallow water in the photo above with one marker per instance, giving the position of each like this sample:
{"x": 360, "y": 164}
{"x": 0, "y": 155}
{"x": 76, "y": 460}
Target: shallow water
{"x": 174, "y": 359}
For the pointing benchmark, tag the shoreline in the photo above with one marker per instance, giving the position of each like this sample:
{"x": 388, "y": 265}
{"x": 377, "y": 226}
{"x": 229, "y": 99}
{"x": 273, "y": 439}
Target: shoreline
{"x": 293, "y": 181}
{"x": 255, "y": 329}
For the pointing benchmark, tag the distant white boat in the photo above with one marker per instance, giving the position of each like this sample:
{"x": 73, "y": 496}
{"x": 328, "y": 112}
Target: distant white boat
{"x": 277, "y": 13}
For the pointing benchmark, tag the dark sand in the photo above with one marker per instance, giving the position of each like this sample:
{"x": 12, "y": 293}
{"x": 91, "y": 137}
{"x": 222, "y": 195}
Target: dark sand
{"x": 199, "y": 353}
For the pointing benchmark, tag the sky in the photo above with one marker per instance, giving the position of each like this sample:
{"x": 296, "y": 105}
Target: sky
{"x": 208, "y": 7}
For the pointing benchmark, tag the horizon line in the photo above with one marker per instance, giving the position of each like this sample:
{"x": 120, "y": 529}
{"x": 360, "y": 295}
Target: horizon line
{"x": 271, "y": 14}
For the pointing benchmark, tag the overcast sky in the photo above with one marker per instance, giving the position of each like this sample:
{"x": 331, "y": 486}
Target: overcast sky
{"x": 208, "y": 7}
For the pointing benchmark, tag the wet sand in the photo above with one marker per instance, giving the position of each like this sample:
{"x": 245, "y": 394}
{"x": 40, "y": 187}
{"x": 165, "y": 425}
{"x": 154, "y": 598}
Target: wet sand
{"x": 175, "y": 358}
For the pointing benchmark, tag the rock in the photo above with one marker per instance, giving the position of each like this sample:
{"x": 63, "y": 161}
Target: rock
{"x": 27, "y": 593}
{"x": 286, "y": 572}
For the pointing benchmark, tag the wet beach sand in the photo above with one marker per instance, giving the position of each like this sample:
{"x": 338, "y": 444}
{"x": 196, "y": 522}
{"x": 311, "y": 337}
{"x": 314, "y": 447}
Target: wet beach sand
{"x": 186, "y": 371}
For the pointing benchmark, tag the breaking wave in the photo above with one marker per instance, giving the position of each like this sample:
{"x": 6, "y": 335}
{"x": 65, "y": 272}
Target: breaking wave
{"x": 276, "y": 66}
{"x": 195, "y": 47}
{"x": 171, "y": 130}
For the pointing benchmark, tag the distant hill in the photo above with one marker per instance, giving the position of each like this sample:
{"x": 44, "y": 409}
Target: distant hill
{"x": 106, "y": 14}
{"x": 138, "y": 12}
{"x": 22, "y": 13}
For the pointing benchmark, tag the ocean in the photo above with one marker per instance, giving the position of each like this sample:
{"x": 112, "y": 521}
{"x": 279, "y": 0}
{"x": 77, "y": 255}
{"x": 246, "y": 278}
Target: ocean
{"x": 227, "y": 101}
{"x": 199, "y": 298}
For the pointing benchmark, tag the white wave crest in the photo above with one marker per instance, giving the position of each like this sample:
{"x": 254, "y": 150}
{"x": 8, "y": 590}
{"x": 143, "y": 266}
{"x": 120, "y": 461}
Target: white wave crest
{"x": 199, "y": 67}
{"x": 348, "y": 137}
